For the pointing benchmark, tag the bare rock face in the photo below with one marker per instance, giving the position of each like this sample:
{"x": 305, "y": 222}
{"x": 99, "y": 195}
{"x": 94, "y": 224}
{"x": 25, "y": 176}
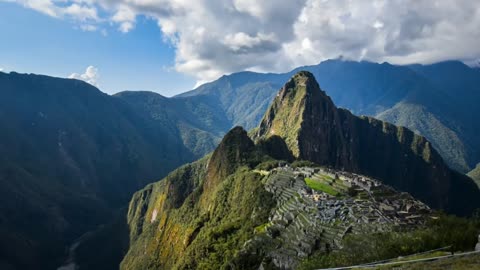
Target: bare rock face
{"x": 314, "y": 129}
{"x": 475, "y": 174}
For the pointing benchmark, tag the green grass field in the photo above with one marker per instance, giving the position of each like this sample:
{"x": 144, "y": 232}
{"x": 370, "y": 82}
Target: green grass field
{"x": 319, "y": 186}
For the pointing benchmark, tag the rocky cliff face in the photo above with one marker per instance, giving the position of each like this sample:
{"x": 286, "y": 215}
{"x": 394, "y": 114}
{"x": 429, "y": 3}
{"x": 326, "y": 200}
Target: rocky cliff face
{"x": 315, "y": 130}
{"x": 475, "y": 174}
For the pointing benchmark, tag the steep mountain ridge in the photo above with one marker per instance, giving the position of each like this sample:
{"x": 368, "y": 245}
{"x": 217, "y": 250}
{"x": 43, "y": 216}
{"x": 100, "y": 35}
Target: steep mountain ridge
{"x": 193, "y": 210}
{"x": 245, "y": 207}
{"x": 315, "y": 130}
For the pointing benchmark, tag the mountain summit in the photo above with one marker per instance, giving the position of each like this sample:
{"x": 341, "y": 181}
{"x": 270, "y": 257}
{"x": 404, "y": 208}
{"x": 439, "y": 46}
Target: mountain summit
{"x": 302, "y": 110}
{"x": 314, "y": 129}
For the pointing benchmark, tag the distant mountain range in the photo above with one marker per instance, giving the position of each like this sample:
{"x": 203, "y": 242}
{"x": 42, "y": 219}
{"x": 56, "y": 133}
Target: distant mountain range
{"x": 437, "y": 101}
{"x": 72, "y": 156}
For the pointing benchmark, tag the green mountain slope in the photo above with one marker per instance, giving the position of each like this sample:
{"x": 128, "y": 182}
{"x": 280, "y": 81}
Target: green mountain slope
{"x": 244, "y": 207}
{"x": 422, "y": 121}
{"x": 72, "y": 156}
{"x": 195, "y": 121}
{"x": 201, "y": 213}
{"x": 243, "y": 97}
{"x": 460, "y": 83}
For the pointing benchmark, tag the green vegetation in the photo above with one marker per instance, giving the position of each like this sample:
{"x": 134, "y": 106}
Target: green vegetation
{"x": 459, "y": 233}
{"x": 303, "y": 163}
{"x": 321, "y": 186}
{"x": 268, "y": 165}
{"x": 205, "y": 214}
{"x": 261, "y": 228}
{"x": 284, "y": 118}
{"x": 425, "y": 123}
{"x": 205, "y": 236}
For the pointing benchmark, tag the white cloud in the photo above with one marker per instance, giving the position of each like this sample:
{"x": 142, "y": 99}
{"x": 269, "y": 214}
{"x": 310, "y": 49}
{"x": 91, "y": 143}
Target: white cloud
{"x": 90, "y": 76}
{"x": 47, "y": 7}
{"x": 125, "y": 17}
{"x": 88, "y": 27}
{"x": 213, "y": 37}
{"x": 241, "y": 41}
{"x": 78, "y": 9}
{"x": 80, "y": 12}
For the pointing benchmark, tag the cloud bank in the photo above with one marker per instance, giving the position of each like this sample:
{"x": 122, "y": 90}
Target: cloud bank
{"x": 213, "y": 37}
{"x": 90, "y": 76}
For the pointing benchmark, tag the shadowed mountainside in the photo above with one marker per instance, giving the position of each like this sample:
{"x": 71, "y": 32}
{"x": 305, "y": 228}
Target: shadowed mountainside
{"x": 71, "y": 155}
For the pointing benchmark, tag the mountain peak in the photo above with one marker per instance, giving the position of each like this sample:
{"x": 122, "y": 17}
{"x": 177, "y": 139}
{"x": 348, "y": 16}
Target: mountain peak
{"x": 302, "y": 79}
{"x": 314, "y": 129}
{"x": 300, "y": 104}
{"x": 232, "y": 151}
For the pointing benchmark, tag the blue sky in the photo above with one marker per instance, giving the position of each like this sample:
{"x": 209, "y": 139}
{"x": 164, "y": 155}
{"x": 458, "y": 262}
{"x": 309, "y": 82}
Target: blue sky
{"x": 169, "y": 46}
{"x": 138, "y": 60}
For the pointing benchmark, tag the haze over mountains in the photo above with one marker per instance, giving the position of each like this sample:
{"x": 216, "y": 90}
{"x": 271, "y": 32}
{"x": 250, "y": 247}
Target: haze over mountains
{"x": 72, "y": 156}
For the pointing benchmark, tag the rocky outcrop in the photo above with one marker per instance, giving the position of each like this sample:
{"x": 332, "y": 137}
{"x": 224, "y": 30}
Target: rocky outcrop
{"x": 315, "y": 130}
{"x": 475, "y": 174}
{"x": 234, "y": 150}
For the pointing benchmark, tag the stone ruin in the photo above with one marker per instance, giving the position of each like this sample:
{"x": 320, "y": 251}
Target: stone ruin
{"x": 307, "y": 220}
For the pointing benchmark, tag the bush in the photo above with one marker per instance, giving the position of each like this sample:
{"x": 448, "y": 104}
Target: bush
{"x": 303, "y": 163}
